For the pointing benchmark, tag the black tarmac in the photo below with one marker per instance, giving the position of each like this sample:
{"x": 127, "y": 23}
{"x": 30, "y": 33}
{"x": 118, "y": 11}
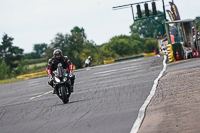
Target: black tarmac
{"x": 107, "y": 99}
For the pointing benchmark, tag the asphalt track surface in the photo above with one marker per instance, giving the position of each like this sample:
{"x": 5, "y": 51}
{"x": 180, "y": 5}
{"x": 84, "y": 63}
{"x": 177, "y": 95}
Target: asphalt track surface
{"x": 107, "y": 99}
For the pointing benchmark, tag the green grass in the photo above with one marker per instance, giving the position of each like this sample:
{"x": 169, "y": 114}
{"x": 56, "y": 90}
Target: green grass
{"x": 35, "y": 61}
{"x": 33, "y": 68}
{"x": 7, "y": 81}
{"x": 37, "y": 65}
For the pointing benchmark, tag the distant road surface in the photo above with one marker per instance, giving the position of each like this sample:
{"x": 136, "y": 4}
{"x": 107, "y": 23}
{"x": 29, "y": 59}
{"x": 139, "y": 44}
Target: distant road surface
{"x": 107, "y": 99}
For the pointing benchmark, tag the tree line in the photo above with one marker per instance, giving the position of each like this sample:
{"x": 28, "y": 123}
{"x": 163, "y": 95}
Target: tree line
{"x": 75, "y": 45}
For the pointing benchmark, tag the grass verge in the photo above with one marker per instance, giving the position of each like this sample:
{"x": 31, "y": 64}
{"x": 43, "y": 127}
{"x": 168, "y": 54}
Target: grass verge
{"x": 6, "y": 81}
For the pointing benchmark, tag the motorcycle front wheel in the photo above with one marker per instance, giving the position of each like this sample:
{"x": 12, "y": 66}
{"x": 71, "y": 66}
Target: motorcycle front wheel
{"x": 64, "y": 95}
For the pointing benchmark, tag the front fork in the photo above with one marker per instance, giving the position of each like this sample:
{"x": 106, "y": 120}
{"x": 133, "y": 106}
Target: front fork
{"x": 57, "y": 87}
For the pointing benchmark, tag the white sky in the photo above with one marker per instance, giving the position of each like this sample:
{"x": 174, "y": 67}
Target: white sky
{"x": 37, "y": 21}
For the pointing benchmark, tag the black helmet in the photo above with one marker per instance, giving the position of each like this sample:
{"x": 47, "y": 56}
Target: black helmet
{"x": 57, "y": 52}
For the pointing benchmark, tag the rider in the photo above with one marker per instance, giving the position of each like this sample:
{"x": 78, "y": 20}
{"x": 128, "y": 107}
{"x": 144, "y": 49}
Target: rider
{"x": 66, "y": 63}
{"x": 88, "y": 61}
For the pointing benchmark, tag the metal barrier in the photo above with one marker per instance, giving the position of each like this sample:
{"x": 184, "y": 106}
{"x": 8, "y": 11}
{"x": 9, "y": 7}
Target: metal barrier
{"x": 127, "y": 58}
{"x": 32, "y": 75}
{"x": 108, "y": 61}
{"x": 149, "y": 54}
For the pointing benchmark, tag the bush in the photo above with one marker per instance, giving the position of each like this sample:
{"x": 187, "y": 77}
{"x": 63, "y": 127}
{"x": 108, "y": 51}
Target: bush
{"x": 150, "y": 45}
{"x": 22, "y": 68}
{"x": 4, "y": 70}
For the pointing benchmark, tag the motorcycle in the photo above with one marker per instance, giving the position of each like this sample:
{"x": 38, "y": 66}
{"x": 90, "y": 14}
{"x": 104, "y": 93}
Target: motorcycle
{"x": 62, "y": 83}
{"x": 87, "y": 63}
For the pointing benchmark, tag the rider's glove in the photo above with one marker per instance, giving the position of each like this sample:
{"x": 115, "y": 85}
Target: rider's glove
{"x": 50, "y": 77}
{"x": 50, "y": 82}
{"x": 71, "y": 72}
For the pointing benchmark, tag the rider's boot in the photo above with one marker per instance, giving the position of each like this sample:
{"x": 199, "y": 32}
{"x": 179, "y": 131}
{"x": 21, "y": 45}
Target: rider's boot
{"x": 50, "y": 82}
{"x": 72, "y": 84}
{"x": 55, "y": 89}
{"x": 72, "y": 89}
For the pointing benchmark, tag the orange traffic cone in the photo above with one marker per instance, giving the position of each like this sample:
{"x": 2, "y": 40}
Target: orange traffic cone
{"x": 197, "y": 53}
{"x": 177, "y": 55}
{"x": 183, "y": 56}
{"x": 154, "y": 52}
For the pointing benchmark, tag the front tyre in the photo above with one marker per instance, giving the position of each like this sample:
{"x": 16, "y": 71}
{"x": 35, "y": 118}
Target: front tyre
{"x": 64, "y": 95}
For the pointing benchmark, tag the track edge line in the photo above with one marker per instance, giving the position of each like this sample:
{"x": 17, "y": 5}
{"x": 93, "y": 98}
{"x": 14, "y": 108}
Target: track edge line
{"x": 142, "y": 110}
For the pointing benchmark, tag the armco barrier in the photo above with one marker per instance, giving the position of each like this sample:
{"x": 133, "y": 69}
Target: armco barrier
{"x": 36, "y": 74}
{"x": 32, "y": 75}
{"x": 126, "y": 58}
{"x": 150, "y": 54}
{"x": 105, "y": 62}
{"x": 108, "y": 61}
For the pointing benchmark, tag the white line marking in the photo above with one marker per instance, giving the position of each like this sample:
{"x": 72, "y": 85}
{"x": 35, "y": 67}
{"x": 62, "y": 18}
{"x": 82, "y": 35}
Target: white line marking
{"x": 121, "y": 71}
{"x": 105, "y": 65}
{"x": 115, "y": 63}
{"x": 32, "y": 82}
{"x": 32, "y": 85}
{"x": 142, "y": 110}
{"x": 87, "y": 69}
{"x": 115, "y": 70}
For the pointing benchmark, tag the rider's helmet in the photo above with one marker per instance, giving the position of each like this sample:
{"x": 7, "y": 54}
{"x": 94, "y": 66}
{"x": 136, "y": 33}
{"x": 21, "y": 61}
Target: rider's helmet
{"x": 57, "y": 54}
{"x": 89, "y": 57}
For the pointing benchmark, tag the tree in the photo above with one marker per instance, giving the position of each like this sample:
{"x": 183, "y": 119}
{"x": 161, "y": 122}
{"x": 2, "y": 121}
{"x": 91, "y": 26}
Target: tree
{"x": 60, "y": 41}
{"x": 120, "y": 44}
{"x": 150, "y": 45}
{"x": 71, "y": 45}
{"x": 31, "y": 55}
{"x": 4, "y": 70}
{"x": 22, "y": 68}
{"x": 139, "y": 42}
{"x": 198, "y": 24}
{"x": 125, "y": 45}
{"x": 146, "y": 27}
{"x": 39, "y": 49}
{"x": 9, "y": 53}
{"x": 77, "y": 30}
{"x": 91, "y": 49}
{"x": 76, "y": 46}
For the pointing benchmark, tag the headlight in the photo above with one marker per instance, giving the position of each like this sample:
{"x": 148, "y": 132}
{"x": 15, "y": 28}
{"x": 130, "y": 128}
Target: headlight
{"x": 57, "y": 79}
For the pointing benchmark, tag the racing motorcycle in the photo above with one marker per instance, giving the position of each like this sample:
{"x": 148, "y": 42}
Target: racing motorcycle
{"x": 62, "y": 83}
{"x": 87, "y": 63}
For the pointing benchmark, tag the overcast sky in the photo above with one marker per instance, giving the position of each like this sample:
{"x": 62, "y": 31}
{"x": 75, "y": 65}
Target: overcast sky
{"x": 37, "y": 21}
